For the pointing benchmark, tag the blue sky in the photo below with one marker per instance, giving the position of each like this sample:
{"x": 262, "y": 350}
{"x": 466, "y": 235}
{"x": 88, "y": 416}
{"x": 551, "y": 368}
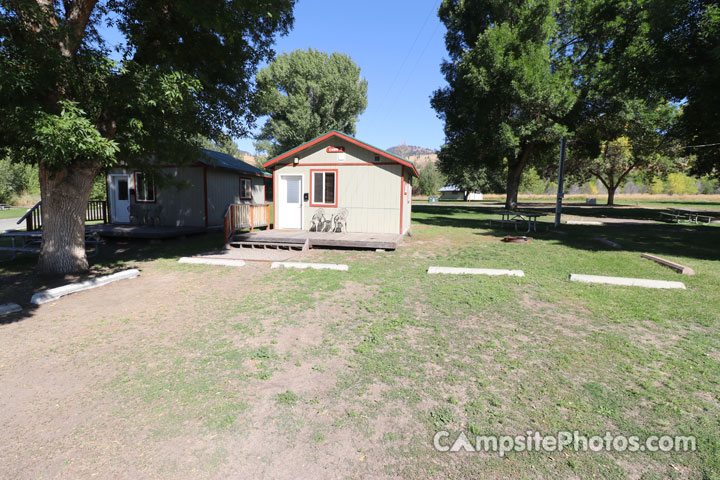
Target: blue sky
{"x": 398, "y": 44}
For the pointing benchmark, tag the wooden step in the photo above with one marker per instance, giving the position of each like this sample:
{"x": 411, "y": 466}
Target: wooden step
{"x": 267, "y": 245}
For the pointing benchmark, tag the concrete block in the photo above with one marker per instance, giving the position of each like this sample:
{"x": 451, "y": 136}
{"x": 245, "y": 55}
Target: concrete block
{"x": 212, "y": 261}
{"x": 7, "y": 308}
{"x": 314, "y": 266}
{"x": 53, "y": 294}
{"x": 474, "y": 271}
{"x": 627, "y": 282}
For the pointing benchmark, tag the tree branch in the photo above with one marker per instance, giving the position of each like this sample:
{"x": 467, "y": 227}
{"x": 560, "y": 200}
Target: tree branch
{"x": 77, "y": 16}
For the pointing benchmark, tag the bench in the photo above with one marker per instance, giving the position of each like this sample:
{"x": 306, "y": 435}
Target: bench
{"x": 508, "y": 216}
{"x": 689, "y": 216}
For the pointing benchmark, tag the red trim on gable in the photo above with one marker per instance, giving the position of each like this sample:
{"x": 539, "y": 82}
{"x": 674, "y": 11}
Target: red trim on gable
{"x": 344, "y": 137}
{"x": 337, "y": 176}
{"x": 338, "y": 164}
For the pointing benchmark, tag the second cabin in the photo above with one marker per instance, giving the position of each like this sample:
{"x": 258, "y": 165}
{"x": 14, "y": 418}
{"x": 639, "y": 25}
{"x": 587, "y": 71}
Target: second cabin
{"x": 336, "y": 183}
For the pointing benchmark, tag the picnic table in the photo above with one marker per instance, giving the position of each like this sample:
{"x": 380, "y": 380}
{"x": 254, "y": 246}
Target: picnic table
{"x": 29, "y": 242}
{"x": 517, "y": 217}
{"x": 681, "y": 215}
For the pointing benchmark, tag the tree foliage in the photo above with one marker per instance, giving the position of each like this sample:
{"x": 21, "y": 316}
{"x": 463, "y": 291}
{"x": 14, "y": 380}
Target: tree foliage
{"x": 505, "y": 90}
{"x": 184, "y": 69}
{"x": 631, "y": 136}
{"x": 306, "y": 93}
{"x": 430, "y": 180}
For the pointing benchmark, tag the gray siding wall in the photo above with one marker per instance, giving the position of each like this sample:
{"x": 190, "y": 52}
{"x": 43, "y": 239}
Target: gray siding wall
{"x": 370, "y": 190}
{"x": 182, "y": 199}
{"x": 224, "y": 189}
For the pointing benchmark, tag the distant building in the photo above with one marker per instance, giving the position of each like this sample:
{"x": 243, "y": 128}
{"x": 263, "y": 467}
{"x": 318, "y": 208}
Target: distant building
{"x": 453, "y": 192}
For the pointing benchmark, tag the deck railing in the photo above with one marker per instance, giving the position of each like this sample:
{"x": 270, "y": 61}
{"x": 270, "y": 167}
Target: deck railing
{"x": 96, "y": 210}
{"x": 244, "y": 216}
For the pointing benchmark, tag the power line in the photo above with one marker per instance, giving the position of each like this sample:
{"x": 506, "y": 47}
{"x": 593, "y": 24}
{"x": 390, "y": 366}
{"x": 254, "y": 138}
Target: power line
{"x": 407, "y": 55}
{"x": 410, "y": 73}
{"x": 702, "y": 146}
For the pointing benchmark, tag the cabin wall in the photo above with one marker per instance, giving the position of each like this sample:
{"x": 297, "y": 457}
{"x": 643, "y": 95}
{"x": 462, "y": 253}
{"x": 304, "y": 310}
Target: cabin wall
{"x": 224, "y": 189}
{"x": 180, "y": 200}
{"x": 372, "y": 191}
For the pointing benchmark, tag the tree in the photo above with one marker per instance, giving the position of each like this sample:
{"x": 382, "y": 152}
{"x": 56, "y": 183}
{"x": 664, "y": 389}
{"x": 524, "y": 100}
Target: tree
{"x": 631, "y": 135}
{"x": 184, "y": 70}
{"x": 430, "y": 179}
{"x": 506, "y": 94}
{"x": 306, "y": 93}
{"x": 685, "y": 63}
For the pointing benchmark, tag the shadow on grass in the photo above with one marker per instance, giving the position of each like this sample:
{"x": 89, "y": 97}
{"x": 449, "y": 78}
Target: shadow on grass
{"x": 687, "y": 240}
{"x": 20, "y": 281}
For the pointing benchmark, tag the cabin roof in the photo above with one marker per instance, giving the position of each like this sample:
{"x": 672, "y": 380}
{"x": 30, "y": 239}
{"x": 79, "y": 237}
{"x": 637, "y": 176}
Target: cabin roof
{"x": 211, "y": 158}
{"x": 353, "y": 140}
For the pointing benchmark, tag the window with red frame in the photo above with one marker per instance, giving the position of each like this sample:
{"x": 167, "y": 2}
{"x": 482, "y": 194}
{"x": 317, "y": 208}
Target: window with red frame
{"x": 245, "y": 189}
{"x": 144, "y": 188}
{"x": 324, "y": 185}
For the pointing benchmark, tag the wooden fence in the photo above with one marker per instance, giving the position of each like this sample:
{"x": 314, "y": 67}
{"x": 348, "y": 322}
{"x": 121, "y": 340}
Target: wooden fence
{"x": 245, "y": 216}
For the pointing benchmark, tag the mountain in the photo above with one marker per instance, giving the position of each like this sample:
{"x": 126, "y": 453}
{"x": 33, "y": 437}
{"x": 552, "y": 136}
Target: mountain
{"x": 418, "y": 155}
{"x": 410, "y": 150}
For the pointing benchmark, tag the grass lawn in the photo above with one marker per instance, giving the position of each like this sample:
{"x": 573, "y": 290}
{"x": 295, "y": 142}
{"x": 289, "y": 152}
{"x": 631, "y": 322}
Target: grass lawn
{"x": 660, "y": 201}
{"x": 203, "y": 372}
{"x": 12, "y": 212}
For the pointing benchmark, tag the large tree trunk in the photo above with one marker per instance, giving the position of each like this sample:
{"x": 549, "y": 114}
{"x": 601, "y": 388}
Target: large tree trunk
{"x": 65, "y": 197}
{"x": 611, "y": 196}
{"x": 515, "y": 171}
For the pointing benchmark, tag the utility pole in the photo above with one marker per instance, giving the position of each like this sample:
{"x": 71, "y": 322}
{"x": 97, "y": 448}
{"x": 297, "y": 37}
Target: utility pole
{"x": 561, "y": 181}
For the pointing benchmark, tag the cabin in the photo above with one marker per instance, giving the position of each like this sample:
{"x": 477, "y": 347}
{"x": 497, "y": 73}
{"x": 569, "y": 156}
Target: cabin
{"x": 337, "y": 183}
{"x": 195, "y": 195}
{"x": 453, "y": 192}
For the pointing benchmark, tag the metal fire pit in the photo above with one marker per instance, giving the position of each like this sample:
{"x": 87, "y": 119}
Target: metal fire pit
{"x": 516, "y": 239}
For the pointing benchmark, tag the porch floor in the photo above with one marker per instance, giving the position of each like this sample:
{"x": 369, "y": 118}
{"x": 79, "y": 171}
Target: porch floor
{"x": 142, "y": 231}
{"x": 385, "y": 241}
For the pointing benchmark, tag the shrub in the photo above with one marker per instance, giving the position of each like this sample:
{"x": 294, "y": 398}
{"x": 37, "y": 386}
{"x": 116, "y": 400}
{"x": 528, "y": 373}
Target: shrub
{"x": 656, "y": 186}
{"x": 679, "y": 183}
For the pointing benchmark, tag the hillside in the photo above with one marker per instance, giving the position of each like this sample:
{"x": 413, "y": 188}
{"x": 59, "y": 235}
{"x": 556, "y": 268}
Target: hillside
{"x": 418, "y": 155}
{"x": 407, "y": 151}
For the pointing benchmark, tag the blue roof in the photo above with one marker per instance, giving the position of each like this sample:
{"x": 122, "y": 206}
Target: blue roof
{"x": 228, "y": 162}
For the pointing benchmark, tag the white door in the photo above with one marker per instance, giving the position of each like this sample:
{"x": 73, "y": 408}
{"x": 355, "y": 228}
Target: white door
{"x": 120, "y": 198}
{"x": 290, "y": 202}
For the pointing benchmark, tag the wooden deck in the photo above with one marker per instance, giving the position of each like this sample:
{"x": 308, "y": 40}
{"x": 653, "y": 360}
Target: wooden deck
{"x": 142, "y": 231}
{"x": 385, "y": 241}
